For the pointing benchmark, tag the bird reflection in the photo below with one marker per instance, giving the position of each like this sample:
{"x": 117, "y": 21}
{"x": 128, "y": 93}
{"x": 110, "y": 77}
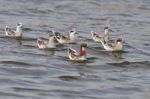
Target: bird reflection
{"x": 117, "y": 54}
{"x": 18, "y": 41}
{"x": 49, "y": 52}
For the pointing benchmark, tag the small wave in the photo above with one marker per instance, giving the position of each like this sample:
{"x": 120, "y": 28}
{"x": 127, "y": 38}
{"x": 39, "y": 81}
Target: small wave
{"x": 30, "y": 46}
{"x": 40, "y": 11}
{"x": 15, "y": 62}
{"x": 28, "y": 89}
{"x": 147, "y": 44}
{"x": 29, "y": 39}
{"x": 133, "y": 64}
{"x": 11, "y": 94}
{"x": 69, "y": 78}
{"x": 144, "y": 8}
{"x": 27, "y": 29}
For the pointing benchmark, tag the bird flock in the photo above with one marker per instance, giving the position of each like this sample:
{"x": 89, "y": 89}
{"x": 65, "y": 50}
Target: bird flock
{"x": 53, "y": 36}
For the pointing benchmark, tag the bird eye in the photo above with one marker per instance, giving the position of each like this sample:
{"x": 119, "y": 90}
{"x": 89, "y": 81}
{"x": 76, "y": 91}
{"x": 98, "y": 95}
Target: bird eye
{"x": 71, "y": 31}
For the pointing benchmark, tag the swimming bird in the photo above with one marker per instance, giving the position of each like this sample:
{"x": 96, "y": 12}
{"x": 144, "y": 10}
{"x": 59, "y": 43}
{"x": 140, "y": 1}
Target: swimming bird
{"x": 17, "y": 33}
{"x": 98, "y": 37}
{"x": 66, "y": 39}
{"x": 116, "y": 46}
{"x": 50, "y": 44}
{"x": 74, "y": 55}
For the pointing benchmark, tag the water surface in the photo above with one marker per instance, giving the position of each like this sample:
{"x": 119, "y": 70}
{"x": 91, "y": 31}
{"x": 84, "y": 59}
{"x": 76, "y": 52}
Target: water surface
{"x": 29, "y": 73}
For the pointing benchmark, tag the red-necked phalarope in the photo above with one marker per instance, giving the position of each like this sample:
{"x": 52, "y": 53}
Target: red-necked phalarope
{"x": 65, "y": 39}
{"x": 74, "y": 55}
{"x": 50, "y": 44}
{"x": 18, "y": 33}
{"x": 116, "y": 46}
{"x": 97, "y": 38}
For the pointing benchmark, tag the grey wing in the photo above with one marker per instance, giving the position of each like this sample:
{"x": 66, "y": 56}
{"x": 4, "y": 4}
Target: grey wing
{"x": 9, "y": 31}
{"x": 40, "y": 41}
{"x": 72, "y": 52}
{"x": 65, "y": 38}
{"x": 96, "y": 35}
{"x": 59, "y": 36}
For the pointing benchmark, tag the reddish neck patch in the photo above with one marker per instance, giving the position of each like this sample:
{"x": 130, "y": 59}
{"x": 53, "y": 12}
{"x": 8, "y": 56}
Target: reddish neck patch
{"x": 82, "y": 52}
